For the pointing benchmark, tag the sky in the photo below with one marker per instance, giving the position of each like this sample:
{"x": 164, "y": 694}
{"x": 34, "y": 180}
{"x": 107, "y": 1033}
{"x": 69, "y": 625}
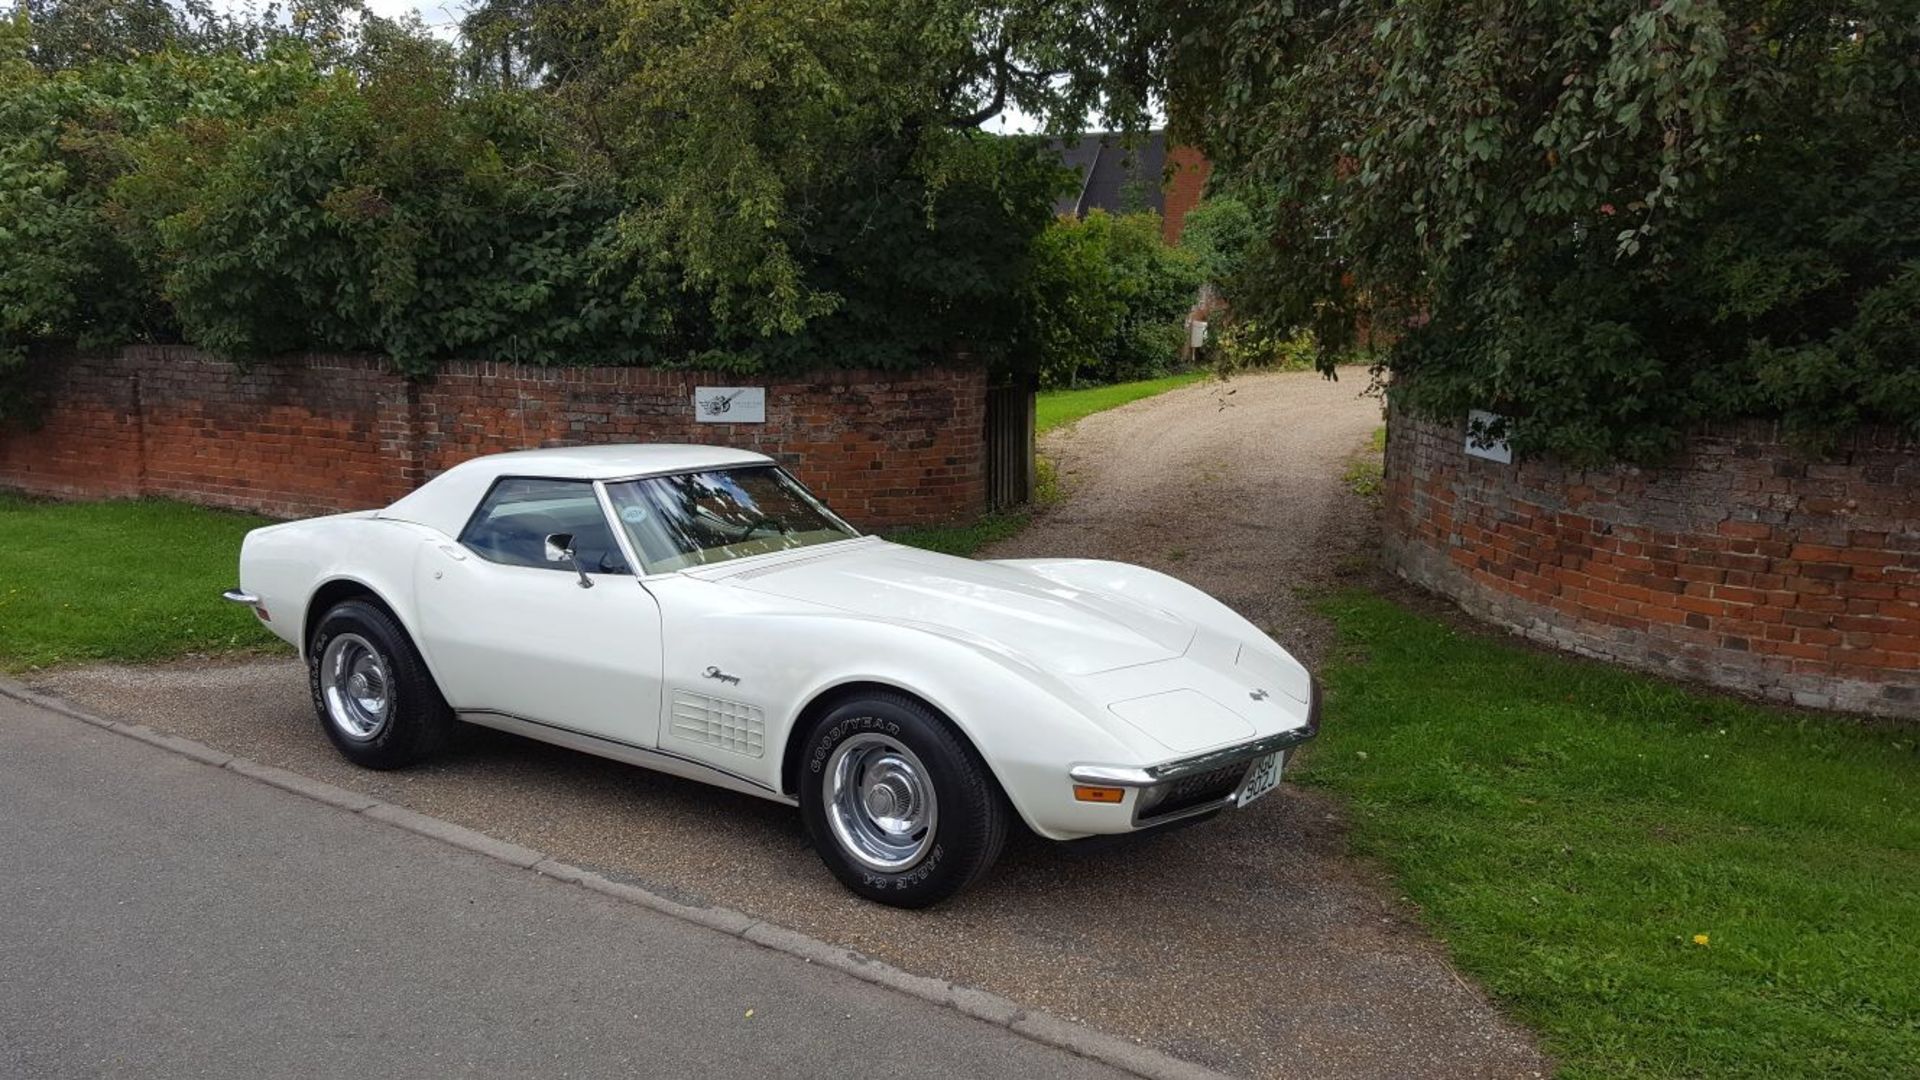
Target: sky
{"x": 443, "y": 16}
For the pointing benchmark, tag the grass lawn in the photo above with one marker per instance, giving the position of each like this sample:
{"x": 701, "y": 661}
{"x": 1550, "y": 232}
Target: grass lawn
{"x": 1368, "y": 468}
{"x": 961, "y": 539}
{"x": 118, "y": 581}
{"x": 1660, "y": 882}
{"x": 1052, "y": 409}
{"x": 1055, "y": 408}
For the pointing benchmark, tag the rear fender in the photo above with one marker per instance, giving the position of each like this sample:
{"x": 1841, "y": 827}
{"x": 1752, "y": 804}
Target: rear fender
{"x": 288, "y": 566}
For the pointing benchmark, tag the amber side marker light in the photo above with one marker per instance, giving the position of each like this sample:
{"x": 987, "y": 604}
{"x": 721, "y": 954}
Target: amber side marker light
{"x": 1089, "y": 793}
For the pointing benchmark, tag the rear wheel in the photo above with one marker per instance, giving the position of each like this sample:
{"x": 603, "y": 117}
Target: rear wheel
{"x": 371, "y": 690}
{"x": 900, "y": 808}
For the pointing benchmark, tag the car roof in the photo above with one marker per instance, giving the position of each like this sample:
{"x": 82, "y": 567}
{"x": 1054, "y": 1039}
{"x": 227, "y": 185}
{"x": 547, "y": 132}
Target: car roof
{"x": 615, "y": 462}
{"x": 447, "y": 501}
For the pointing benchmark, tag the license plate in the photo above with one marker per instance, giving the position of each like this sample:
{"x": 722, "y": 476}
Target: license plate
{"x": 1262, "y": 778}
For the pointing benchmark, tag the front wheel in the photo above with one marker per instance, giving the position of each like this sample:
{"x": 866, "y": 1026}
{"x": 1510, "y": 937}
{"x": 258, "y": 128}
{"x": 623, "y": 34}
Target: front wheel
{"x": 371, "y": 690}
{"x": 899, "y": 807}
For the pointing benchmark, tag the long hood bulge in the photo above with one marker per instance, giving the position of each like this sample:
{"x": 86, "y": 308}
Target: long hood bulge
{"x": 1066, "y": 630}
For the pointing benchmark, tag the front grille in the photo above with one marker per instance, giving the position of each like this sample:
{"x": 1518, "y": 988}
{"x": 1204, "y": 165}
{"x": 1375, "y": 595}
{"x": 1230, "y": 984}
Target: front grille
{"x": 1191, "y": 791}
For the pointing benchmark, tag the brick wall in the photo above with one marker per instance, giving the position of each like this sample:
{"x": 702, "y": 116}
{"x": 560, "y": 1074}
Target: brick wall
{"x": 328, "y": 433}
{"x": 1187, "y": 172}
{"x": 1740, "y": 563}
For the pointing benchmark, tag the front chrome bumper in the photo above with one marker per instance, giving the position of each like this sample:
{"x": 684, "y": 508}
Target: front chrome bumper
{"x": 1147, "y": 776}
{"x": 235, "y": 596}
{"x": 1157, "y": 784}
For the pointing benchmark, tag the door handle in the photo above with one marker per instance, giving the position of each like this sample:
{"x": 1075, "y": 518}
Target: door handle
{"x": 454, "y": 552}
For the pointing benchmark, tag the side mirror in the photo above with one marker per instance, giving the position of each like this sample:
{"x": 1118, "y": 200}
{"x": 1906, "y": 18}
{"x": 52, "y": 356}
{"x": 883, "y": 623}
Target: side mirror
{"x": 560, "y": 549}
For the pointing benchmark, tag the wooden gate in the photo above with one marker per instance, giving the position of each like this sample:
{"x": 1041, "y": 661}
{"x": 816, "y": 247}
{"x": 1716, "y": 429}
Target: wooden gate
{"x": 1010, "y": 463}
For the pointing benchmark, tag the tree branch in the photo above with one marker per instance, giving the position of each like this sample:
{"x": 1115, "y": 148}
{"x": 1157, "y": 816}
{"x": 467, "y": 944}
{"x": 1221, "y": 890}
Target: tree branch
{"x": 1002, "y": 75}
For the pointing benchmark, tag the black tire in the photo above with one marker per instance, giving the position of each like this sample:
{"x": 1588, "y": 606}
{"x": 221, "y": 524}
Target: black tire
{"x": 415, "y": 720}
{"x": 971, "y": 816}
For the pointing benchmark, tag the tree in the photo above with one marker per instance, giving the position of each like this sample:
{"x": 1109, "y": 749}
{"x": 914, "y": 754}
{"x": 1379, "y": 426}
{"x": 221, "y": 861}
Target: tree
{"x": 1220, "y": 233}
{"x": 723, "y": 195}
{"x": 69, "y": 33}
{"x": 741, "y": 121}
{"x": 1107, "y": 296}
{"x": 1606, "y": 221}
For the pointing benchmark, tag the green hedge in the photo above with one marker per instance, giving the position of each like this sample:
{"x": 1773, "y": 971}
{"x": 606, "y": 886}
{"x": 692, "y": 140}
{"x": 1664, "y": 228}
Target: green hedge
{"x": 1108, "y": 297}
{"x": 286, "y": 196}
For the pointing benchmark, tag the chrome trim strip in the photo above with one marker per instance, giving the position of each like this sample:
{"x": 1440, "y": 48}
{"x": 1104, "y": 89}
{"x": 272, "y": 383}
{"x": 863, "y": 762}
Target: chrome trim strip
{"x": 644, "y": 757}
{"x": 1113, "y": 775}
{"x": 619, "y": 531}
{"x": 235, "y": 596}
{"x": 684, "y": 470}
{"x": 1139, "y": 777}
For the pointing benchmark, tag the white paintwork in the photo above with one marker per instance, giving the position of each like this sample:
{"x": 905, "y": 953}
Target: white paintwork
{"x": 1044, "y": 665}
{"x": 448, "y": 500}
{"x": 584, "y": 659}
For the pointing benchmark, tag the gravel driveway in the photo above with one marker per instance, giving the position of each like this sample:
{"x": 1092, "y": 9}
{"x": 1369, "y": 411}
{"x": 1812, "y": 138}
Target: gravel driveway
{"x": 1233, "y": 486}
{"x": 1252, "y": 943}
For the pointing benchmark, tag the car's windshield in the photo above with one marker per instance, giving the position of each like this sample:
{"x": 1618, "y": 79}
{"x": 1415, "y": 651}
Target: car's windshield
{"x": 690, "y": 519}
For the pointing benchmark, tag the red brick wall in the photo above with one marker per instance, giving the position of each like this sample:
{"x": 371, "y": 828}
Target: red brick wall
{"x": 1187, "y": 171}
{"x": 1739, "y": 563}
{"x": 328, "y": 433}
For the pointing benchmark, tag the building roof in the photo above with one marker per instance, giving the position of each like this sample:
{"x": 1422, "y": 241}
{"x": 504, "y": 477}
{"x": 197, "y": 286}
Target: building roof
{"x": 1114, "y": 176}
{"x": 447, "y": 501}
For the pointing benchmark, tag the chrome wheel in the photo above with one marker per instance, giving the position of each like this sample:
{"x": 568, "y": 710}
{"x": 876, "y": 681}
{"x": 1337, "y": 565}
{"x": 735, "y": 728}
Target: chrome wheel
{"x": 880, "y": 802}
{"x": 356, "y": 686}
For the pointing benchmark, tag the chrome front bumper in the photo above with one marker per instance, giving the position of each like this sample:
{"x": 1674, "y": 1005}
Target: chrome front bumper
{"x": 1164, "y": 775}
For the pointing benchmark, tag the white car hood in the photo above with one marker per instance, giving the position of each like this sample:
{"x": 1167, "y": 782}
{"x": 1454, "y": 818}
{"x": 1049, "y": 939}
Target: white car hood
{"x": 1069, "y": 631}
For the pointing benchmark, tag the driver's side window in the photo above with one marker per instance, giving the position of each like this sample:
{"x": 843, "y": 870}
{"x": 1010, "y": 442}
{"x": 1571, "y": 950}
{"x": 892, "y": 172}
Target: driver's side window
{"x": 512, "y": 524}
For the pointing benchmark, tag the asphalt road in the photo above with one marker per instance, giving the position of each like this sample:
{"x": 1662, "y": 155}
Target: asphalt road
{"x": 167, "y": 919}
{"x": 1254, "y": 943}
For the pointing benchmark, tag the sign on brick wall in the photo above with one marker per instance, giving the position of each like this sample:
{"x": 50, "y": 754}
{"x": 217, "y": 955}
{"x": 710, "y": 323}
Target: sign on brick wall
{"x": 730, "y": 404}
{"x": 1480, "y": 444}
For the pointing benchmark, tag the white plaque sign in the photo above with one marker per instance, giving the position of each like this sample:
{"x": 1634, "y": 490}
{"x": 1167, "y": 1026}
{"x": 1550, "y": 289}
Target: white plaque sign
{"x": 730, "y": 404}
{"x": 1481, "y": 445}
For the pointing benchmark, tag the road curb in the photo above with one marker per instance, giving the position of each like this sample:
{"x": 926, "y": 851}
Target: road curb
{"x": 458, "y": 835}
{"x": 1038, "y": 1027}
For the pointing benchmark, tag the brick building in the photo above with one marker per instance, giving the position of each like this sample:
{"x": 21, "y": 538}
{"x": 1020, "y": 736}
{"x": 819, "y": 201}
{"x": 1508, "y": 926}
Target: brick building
{"x": 1121, "y": 178}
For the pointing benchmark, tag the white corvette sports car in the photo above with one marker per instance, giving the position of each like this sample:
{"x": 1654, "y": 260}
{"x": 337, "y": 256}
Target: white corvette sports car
{"x": 693, "y": 609}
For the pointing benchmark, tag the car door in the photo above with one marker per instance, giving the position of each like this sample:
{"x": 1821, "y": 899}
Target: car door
{"x": 510, "y": 630}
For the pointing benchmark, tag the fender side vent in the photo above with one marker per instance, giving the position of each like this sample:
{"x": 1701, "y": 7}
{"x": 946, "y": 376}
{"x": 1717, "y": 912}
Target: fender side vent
{"x": 730, "y": 725}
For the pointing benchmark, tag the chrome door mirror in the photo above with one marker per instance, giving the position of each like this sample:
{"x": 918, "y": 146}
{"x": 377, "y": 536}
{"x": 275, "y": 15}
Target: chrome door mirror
{"x": 560, "y": 549}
